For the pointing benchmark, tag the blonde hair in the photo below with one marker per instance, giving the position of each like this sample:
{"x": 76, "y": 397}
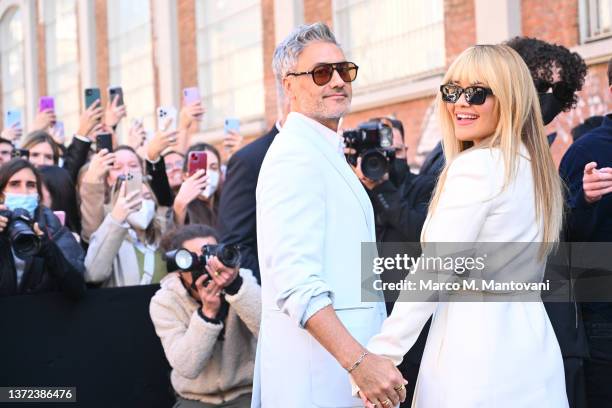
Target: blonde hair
{"x": 519, "y": 121}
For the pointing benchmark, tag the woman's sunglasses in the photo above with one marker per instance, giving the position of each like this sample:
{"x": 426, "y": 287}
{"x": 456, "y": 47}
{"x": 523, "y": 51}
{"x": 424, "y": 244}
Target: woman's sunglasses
{"x": 323, "y": 73}
{"x": 474, "y": 95}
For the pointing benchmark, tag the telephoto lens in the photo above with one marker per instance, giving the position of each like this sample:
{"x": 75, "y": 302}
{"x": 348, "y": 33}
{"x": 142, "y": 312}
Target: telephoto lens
{"x": 228, "y": 254}
{"x": 20, "y": 232}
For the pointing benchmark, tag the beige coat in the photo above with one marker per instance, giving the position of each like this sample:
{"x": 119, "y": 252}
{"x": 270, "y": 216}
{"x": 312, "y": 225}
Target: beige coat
{"x": 203, "y": 367}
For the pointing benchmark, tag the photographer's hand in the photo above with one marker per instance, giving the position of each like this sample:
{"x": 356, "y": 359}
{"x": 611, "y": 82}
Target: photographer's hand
{"x": 3, "y": 220}
{"x": 210, "y": 296}
{"x": 221, "y": 274}
{"x": 162, "y": 139}
{"x": 368, "y": 183}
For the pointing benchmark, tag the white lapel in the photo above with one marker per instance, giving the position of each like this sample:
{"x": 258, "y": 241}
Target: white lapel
{"x": 301, "y": 128}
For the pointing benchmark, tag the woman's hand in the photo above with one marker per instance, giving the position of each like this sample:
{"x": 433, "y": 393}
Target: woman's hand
{"x": 189, "y": 191}
{"x": 126, "y": 204}
{"x": 221, "y": 274}
{"x": 210, "y": 296}
{"x": 190, "y": 113}
{"x": 114, "y": 112}
{"x": 232, "y": 142}
{"x": 90, "y": 120}
{"x": 163, "y": 139}
{"x": 99, "y": 166}
{"x": 44, "y": 120}
{"x": 12, "y": 133}
{"x": 137, "y": 135}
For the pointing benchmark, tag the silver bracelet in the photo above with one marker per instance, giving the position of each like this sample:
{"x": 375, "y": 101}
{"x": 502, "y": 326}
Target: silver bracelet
{"x": 359, "y": 360}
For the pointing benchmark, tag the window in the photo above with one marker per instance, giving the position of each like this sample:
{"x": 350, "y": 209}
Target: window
{"x": 11, "y": 60}
{"x": 596, "y": 19}
{"x": 62, "y": 60}
{"x": 390, "y": 40}
{"x": 230, "y": 60}
{"x": 130, "y": 53}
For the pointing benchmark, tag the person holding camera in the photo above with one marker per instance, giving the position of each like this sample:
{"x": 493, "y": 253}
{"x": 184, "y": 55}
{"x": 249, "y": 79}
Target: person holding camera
{"x": 37, "y": 253}
{"x": 207, "y": 316}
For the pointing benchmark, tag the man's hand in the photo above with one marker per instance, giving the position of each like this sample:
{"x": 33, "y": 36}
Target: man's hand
{"x": 44, "y": 120}
{"x": 379, "y": 381}
{"x": 232, "y": 142}
{"x": 596, "y": 183}
{"x": 114, "y": 113}
{"x": 90, "y": 120}
{"x": 368, "y": 183}
{"x": 162, "y": 139}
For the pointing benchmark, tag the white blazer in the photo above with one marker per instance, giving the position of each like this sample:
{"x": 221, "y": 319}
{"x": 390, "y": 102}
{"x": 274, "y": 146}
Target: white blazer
{"x": 312, "y": 215}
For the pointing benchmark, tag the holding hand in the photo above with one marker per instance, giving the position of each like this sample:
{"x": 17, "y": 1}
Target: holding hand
{"x": 190, "y": 113}
{"x": 232, "y": 142}
{"x": 137, "y": 135}
{"x": 126, "y": 204}
{"x": 368, "y": 183}
{"x": 44, "y": 120}
{"x": 90, "y": 121}
{"x": 3, "y": 220}
{"x": 100, "y": 165}
{"x": 12, "y": 133}
{"x": 221, "y": 274}
{"x": 114, "y": 112}
{"x": 210, "y": 296}
{"x": 596, "y": 183}
{"x": 189, "y": 191}
{"x": 379, "y": 381}
{"x": 161, "y": 141}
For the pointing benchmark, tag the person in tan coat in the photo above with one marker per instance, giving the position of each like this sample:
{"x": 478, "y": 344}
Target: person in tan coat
{"x": 208, "y": 328}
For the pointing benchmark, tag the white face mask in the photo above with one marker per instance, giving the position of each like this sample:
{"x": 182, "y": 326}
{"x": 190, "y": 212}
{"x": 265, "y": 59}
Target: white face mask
{"x": 143, "y": 217}
{"x": 211, "y": 186}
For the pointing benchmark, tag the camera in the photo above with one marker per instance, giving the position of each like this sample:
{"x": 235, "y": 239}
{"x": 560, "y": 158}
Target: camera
{"x": 20, "y": 232}
{"x": 373, "y": 142}
{"x": 186, "y": 261}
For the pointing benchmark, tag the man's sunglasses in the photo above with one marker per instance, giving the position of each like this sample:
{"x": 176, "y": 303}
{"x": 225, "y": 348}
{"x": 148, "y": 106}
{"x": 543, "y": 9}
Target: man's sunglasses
{"x": 559, "y": 89}
{"x": 474, "y": 95}
{"x": 323, "y": 73}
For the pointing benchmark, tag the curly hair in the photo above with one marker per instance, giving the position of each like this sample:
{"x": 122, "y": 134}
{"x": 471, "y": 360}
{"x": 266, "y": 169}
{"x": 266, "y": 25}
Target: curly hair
{"x": 542, "y": 57}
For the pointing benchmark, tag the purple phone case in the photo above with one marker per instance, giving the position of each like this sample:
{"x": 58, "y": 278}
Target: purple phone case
{"x": 191, "y": 95}
{"x": 45, "y": 103}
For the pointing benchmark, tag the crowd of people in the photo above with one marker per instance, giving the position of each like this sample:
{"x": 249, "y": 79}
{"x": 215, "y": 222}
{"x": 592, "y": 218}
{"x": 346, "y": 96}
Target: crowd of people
{"x": 79, "y": 215}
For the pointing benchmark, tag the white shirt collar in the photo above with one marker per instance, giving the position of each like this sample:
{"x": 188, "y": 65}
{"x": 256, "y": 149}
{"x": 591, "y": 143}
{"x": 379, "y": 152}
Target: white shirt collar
{"x": 334, "y": 139}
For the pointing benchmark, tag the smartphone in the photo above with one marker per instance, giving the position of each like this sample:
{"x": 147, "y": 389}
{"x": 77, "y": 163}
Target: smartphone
{"x": 133, "y": 183}
{"x": 59, "y": 128}
{"x": 22, "y": 153}
{"x": 61, "y": 215}
{"x": 163, "y": 114}
{"x": 114, "y": 91}
{"x": 46, "y": 103}
{"x": 232, "y": 124}
{"x": 91, "y": 95}
{"x": 197, "y": 160}
{"x": 12, "y": 118}
{"x": 191, "y": 95}
{"x": 104, "y": 141}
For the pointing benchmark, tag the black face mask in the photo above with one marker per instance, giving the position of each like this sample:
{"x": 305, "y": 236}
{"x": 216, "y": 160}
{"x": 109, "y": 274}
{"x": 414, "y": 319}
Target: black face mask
{"x": 550, "y": 106}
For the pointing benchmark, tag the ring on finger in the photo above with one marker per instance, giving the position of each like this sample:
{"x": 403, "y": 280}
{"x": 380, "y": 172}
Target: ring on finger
{"x": 387, "y": 402}
{"x": 399, "y": 387}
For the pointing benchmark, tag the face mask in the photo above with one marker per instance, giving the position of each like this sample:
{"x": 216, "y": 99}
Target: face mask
{"x": 550, "y": 106}
{"x": 213, "y": 183}
{"x": 28, "y": 202}
{"x": 143, "y": 217}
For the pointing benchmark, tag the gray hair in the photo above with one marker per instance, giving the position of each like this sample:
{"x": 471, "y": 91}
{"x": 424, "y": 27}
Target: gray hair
{"x": 287, "y": 52}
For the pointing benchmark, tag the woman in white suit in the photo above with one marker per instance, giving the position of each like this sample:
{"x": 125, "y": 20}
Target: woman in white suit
{"x": 499, "y": 185}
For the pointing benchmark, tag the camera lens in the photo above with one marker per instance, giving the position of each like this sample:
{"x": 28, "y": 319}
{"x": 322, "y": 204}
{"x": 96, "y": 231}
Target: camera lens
{"x": 374, "y": 165}
{"x": 183, "y": 259}
{"x": 23, "y": 239}
{"x": 230, "y": 256}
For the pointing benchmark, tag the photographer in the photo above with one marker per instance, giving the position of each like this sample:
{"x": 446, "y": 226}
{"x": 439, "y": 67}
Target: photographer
{"x": 37, "y": 254}
{"x": 208, "y": 328}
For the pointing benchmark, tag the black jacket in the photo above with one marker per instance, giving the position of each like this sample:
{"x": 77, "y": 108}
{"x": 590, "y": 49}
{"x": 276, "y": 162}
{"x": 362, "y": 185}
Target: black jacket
{"x": 236, "y": 221}
{"x": 159, "y": 182}
{"x": 75, "y": 157}
{"x": 57, "y": 267}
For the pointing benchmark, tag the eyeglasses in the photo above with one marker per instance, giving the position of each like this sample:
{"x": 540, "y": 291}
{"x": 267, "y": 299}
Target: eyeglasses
{"x": 474, "y": 95}
{"x": 323, "y": 73}
{"x": 560, "y": 89}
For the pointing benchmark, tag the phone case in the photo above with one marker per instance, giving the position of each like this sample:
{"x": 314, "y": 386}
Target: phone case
{"x": 104, "y": 141}
{"x": 59, "y": 127}
{"x": 197, "y": 160}
{"x": 61, "y": 215}
{"x": 232, "y": 124}
{"x": 165, "y": 112}
{"x": 91, "y": 95}
{"x": 12, "y": 118}
{"x": 191, "y": 95}
{"x": 46, "y": 103}
{"x": 113, "y": 91}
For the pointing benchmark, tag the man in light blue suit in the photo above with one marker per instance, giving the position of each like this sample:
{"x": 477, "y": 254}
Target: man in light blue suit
{"x": 312, "y": 215}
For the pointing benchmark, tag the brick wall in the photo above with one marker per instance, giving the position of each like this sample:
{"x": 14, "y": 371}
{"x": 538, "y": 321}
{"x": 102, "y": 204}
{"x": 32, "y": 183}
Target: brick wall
{"x": 552, "y": 21}
{"x": 318, "y": 10}
{"x": 102, "y": 63}
{"x": 42, "y": 56}
{"x": 188, "y": 55}
{"x": 459, "y": 27}
{"x": 269, "y": 44}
